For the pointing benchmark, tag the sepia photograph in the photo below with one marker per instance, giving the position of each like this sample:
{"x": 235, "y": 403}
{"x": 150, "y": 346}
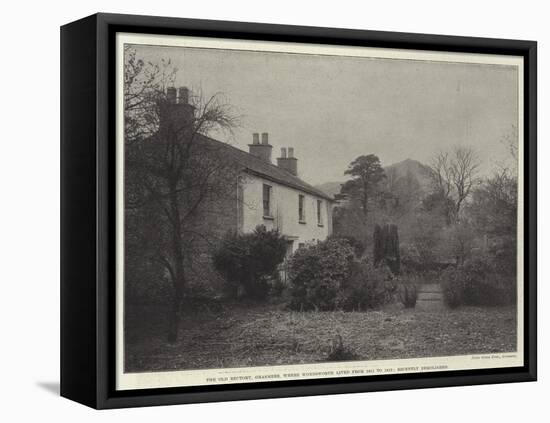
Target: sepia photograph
{"x": 294, "y": 211}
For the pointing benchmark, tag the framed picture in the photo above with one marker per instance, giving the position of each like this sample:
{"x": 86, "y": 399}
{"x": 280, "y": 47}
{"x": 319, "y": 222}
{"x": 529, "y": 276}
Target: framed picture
{"x": 256, "y": 211}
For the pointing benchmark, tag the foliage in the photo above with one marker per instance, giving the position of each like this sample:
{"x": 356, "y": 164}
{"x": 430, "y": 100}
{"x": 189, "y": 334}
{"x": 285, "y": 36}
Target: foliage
{"x": 249, "y": 261}
{"x": 318, "y": 272}
{"x": 494, "y": 205}
{"x": 349, "y": 222}
{"x": 426, "y": 242}
{"x": 477, "y": 282}
{"x": 357, "y": 245}
{"x": 367, "y": 287}
{"x": 459, "y": 241}
{"x": 405, "y": 192}
{"x": 386, "y": 247}
{"x": 408, "y": 290}
{"x": 438, "y": 204}
{"x": 366, "y": 173}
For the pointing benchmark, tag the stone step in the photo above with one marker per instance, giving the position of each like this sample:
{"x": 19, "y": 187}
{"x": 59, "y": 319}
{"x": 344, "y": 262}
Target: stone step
{"x": 430, "y": 296}
{"x": 429, "y": 287}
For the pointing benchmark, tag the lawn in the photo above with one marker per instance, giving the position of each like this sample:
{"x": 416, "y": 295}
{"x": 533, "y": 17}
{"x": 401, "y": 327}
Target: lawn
{"x": 252, "y": 335}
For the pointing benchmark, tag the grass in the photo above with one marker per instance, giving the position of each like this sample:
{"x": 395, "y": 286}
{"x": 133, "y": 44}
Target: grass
{"x": 253, "y": 335}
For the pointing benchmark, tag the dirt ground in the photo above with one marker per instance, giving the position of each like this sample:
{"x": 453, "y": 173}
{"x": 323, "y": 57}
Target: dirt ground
{"x": 252, "y": 335}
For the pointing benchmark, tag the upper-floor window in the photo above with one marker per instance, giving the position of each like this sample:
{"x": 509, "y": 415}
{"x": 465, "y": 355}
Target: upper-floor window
{"x": 267, "y": 200}
{"x": 319, "y": 213}
{"x": 301, "y": 208}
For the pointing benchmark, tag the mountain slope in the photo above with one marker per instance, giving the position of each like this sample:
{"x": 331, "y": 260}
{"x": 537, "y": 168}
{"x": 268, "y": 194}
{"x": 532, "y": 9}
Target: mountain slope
{"x": 330, "y": 188}
{"x": 405, "y": 168}
{"x": 410, "y": 167}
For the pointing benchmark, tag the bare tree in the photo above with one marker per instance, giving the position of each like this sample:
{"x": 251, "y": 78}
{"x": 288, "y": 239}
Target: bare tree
{"x": 440, "y": 173}
{"x": 170, "y": 163}
{"x": 441, "y": 176}
{"x": 454, "y": 175}
{"x": 464, "y": 169}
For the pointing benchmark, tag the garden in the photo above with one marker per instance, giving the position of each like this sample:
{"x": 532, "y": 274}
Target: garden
{"x": 338, "y": 306}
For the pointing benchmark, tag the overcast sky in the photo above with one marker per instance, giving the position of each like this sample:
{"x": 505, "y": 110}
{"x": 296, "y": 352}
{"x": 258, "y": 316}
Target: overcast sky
{"x": 333, "y": 109}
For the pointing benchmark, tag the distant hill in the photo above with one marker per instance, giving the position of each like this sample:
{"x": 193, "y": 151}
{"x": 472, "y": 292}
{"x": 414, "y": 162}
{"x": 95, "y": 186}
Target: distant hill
{"x": 401, "y": 169}
{"x": 330, "y": 188}
{"x": 412, "y": 167}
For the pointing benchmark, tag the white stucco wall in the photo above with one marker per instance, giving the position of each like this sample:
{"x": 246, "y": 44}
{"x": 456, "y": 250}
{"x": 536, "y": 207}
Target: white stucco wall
{"x": 284, "y": 208}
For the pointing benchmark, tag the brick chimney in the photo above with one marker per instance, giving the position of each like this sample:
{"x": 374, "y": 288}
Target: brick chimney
{"x": 176, "y": 112}
{"x": 171, "y": 95}
{"x": 287, "y": 161}
{"x": 261, "y": 150}
{"x": 183, "y": 95}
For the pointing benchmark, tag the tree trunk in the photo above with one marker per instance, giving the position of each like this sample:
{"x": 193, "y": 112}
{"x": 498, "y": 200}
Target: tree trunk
{"x": 174, "y": 316}
{"x": 179, "y": 271}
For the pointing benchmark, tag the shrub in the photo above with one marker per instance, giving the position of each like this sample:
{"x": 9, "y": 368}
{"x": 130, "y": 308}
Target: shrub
{"x": 386, "y": 247}
{"x": 367, "y": 287}
{"x": 355, "y": 243}
{"x": 477, "y": 282}
{"x": 452, "y": 287}
{"x": 248, "y": 262}
{"x": 276, "y": 285}
{"x": 339, "y": 352}
{"x": 408, "y": 291}
{"x": 317, "y": 272}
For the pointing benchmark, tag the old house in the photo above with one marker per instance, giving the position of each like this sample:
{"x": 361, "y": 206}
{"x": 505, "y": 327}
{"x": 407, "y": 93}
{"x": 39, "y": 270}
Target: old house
{"x": 274, "y": 196}
{"x": 247, "y": 189}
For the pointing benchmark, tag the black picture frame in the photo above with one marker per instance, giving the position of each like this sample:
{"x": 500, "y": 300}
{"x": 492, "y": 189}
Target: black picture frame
{"x": 88, "y": 212}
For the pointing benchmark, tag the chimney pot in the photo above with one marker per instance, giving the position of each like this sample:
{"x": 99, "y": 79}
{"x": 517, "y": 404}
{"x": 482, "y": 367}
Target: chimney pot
{"x": 263, "y": 150}
{"x": 183, "y": 95}
{"x": 171, "y": 94}
{"x": 287, "y": 161}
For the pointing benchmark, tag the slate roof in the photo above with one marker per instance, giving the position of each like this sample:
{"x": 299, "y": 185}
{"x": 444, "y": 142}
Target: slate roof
{"x": 256, "y": 166}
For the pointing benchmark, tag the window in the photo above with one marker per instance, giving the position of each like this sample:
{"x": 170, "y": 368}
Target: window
{"x": 267, "y": 200}
{"x": 301, "y": 208}
{"x": 319, "y": 215}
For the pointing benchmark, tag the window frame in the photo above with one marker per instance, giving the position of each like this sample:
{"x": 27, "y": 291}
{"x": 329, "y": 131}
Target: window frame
{"x": 267, "y": 212}
{"x": 301, "y": 208}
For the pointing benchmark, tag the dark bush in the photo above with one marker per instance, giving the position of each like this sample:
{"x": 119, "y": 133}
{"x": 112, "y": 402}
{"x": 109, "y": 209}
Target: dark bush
{"x": 318, "y": 272}
{"x": 248, "y": 262}
{"x": 453, "y": 287}
{"x": 478, "y": 282}
{"x": 355, "y": 243}
{"x": 408, "y": 291}
{"x": 386, "y": 247}
{"x": 367, "y": 287}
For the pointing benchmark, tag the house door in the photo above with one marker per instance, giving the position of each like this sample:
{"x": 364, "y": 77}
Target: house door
{"x": 283, "y": 268}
